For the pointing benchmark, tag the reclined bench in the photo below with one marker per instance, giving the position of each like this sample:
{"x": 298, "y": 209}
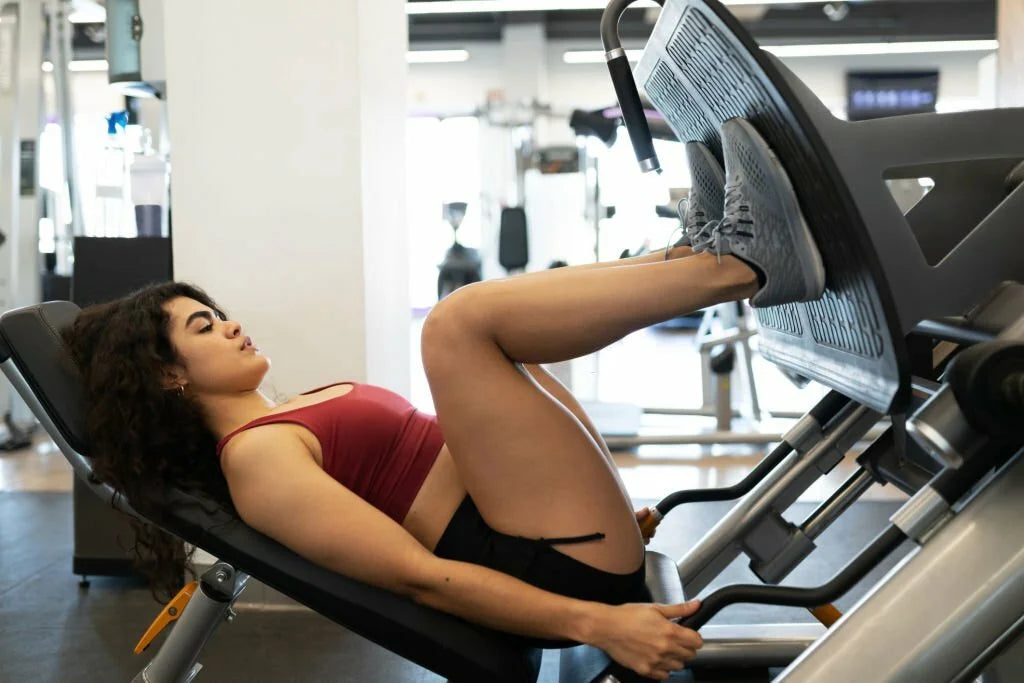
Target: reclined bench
{"x": 888, "y": 273}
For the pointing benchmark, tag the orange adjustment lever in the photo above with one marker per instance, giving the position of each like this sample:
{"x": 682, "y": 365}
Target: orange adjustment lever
{"x": 650, "y": 522}
{"x": 171, "y": 611}
{"x": 826, "y": 614}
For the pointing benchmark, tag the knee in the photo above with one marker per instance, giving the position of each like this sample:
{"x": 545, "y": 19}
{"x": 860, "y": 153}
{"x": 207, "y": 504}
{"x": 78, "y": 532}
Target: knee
{"x": 454, "y": 321}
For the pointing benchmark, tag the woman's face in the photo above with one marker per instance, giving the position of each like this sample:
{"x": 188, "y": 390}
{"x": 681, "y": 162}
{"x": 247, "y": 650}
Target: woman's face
{"x": 217, "y": 355}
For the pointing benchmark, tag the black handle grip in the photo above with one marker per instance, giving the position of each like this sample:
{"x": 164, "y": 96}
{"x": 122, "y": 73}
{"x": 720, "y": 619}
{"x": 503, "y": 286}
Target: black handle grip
{"x": 633, "y": 113}
{"x": 876, "y": 551}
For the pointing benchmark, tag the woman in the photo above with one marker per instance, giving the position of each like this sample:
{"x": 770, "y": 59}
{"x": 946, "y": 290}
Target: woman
{"x": 505, "y": 509}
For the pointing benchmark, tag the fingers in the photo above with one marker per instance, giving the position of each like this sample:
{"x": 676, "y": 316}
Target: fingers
{"x": 678, "y": 661}
{"x": 683, "y": 609}
{"x": 690, "y": 638}
{"x": 666, "y": 665}
{"x": 643, "y": 513}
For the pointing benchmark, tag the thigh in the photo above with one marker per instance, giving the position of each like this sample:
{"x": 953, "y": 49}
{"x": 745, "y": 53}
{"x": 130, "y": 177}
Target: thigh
{"x": 529, "y": 464}
{"x": 554, "y": 386}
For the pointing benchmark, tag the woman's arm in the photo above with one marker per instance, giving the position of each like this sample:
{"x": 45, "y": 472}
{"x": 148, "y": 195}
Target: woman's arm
{"x": 640, "y": 636}
{"x": 505, "y": 603}
{"x": 279, "y": 490}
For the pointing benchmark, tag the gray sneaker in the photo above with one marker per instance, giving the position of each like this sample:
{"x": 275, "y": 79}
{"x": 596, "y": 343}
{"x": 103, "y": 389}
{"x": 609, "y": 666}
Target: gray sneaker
{"x": 703, "y": 206}
{"x": 763, "y": 225}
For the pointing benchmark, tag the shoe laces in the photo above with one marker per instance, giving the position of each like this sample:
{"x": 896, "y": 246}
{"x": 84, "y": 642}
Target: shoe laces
{"x": 724, "y": 231}
{"x": 704, "y": 237}
{"x": 694, "y": 228}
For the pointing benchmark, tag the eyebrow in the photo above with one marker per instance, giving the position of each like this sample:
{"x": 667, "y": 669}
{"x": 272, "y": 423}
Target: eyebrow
{"x": 198, "y": 314}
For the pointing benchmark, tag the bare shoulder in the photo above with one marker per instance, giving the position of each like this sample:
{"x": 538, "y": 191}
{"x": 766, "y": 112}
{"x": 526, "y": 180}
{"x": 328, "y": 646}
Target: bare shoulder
{"x": 265, "y": 462}
{"x": 279, "y": 490}
{"x": 255, "y": 453}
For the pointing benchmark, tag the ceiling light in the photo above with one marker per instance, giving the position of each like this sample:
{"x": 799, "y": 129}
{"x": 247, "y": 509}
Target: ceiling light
{"x": 475, "y": 6}
{"x": 900, "y": 48}
{"x": 823, "y": 50}
{"x": 595, "y": 56}
{"x": 88, "y": 13}
{"x": 436, "y": 56}
{"x": 80, "y": 65}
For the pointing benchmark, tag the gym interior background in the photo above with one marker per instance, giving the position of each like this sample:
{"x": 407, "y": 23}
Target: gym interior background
{"x": 329, "y": 169}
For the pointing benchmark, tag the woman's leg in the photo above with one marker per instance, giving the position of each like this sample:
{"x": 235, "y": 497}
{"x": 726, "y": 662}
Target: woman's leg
{"x": 528, "y": 462}
{"x": 564, "y": 313}
{"x": 553, "y": 386}
{"x": 652, "y": 257}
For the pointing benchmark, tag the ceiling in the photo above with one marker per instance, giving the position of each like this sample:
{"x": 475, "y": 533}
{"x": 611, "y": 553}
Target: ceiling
{"x": 865, "y": 21}
{"x": 859, "y": 21}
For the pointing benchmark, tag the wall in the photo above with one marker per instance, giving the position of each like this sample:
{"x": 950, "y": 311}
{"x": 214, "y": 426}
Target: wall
{"x": 461, "y": 87}
{"x": 1010, "y": 31}
{"x": 557, "y": 227}
{"x": 283, "y": 167}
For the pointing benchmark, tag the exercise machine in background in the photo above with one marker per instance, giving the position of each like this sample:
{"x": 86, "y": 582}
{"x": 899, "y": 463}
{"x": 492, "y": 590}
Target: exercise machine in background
{"x": 461, "y": 265}
{"x": 513, "y": 240}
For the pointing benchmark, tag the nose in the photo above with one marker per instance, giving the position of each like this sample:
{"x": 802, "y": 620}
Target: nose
{"x": 235, "y": 329}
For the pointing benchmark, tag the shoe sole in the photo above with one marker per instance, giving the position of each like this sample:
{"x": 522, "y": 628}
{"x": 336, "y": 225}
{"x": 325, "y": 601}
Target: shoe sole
{"x": 769, "y": 179}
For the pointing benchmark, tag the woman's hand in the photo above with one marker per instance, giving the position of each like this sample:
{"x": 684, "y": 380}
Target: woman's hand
{"x": 642, "y": 637}
{"x": 641, "y": 515}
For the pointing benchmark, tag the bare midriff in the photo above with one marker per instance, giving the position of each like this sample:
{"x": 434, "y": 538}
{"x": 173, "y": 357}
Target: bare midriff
{"x": 436, "y": 501}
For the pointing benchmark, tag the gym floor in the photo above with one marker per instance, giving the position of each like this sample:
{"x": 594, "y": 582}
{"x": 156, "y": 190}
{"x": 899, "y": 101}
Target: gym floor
{"x": 54, "y": 631}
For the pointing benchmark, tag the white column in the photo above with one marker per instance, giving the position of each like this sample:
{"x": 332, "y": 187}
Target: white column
{"x": 287, "y": 155}
{"x": 1010, "y": 32}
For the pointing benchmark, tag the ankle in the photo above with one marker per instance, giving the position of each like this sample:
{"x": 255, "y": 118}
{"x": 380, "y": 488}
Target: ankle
{"x": 679, "y": 252}
{"x": 733, "y": 274}
{"x": 747, "y": 278}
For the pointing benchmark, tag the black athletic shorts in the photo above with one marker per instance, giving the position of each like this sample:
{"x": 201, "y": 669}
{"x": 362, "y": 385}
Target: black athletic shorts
{"x": 468, "y": 539}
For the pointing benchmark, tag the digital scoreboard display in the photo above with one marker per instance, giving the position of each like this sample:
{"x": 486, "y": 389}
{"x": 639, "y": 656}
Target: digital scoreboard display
{"x": 874, "y": 94}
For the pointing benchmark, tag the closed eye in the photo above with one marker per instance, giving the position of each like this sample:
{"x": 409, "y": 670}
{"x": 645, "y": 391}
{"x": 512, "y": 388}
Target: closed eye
{"x": 206, "y": 329}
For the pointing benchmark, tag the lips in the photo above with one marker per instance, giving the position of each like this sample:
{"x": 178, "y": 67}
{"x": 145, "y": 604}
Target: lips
{"x": 246, "y": 343}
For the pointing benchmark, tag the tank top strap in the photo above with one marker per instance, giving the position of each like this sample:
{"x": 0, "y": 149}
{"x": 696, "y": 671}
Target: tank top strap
{"x": 301, "y": 415}
{"x": 295, "y": 415}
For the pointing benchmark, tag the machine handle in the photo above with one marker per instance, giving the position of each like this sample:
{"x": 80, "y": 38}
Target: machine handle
{"x": 625, "y": 87}
{"x": 632, "y": 111}
{"x": 854, "y": 571}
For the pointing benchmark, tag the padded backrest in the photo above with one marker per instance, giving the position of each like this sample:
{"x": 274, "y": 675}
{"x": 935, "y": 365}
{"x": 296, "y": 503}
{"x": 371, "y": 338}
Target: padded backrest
{"x": 31, "y": 337}
{"x": 36, "y": 360}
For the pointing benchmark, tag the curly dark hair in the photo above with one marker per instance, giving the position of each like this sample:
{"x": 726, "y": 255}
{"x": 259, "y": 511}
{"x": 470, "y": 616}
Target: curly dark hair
{"x": 145, "y": 439}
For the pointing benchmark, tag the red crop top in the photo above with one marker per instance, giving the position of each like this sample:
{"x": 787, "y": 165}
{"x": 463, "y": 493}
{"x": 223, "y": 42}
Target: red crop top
{"x": 374, "y": 442}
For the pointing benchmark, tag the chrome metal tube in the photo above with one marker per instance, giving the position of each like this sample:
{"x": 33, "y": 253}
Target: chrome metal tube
{"x": 778, "y": 490}
{"x": 942, "y": 607}
{"x": 845, "y": 496}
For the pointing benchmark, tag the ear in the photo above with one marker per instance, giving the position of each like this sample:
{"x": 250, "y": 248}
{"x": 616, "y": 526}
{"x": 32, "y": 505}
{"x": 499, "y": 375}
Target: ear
{"x": 173, "y": 377}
